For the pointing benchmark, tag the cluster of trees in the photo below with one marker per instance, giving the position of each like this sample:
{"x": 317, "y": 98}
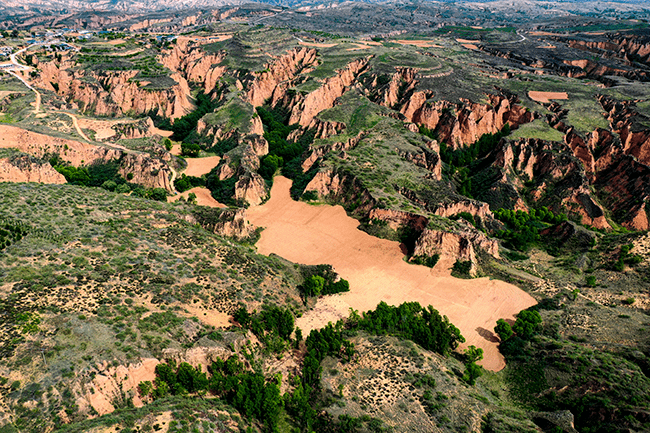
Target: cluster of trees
{"x": 183, "y": 126}
{"x": 523, "y": 227}
{"x": 301, "y": 403}
{"x": 472, "y": 370}
{"x": 317, "y": 285}
{"x": 222, "y": 190}
{"x": 459, "y": 161}
{"x": 222, "y": 146}
{"x": 185, "y": 182}
{"x": 283, "y": 154}
{"x": 424, "y": 326}
{"x": 527, "y": 325}
{"x": 258, "y": 397}
{"x": 175, "y": 380}
{"x": 464, "y": 156}
{"x": 429, "y": 261}
{"x": 248, "y": 392}
{"x": 105, "y": 175}
{"x": 273, "y": 325}
{"x": 277, "y": 130}
{"x": 191, "y": 150}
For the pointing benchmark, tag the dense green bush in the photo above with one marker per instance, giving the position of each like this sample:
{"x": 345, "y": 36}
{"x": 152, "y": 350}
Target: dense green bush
{"x": 183, "y": 126}
{"x": 527, "y": 324}
{"x": 190, "y": 149}
{"x": 425, "y": 326}
{"x": 323, "y": 282}
{"x": 429, "y": 261}
{"x": 522, "y": 228}
{"x": 185, "y": 182}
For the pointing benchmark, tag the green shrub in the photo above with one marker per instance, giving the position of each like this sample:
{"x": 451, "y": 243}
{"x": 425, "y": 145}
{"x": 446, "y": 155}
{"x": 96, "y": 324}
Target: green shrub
{"x": 190, "y": 150}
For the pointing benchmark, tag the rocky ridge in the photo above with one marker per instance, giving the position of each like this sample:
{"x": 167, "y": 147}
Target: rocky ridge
{"x": 146, "y": 171}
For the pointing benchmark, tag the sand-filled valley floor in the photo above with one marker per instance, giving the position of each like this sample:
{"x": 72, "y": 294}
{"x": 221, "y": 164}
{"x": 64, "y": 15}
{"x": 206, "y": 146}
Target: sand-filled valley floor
{"x": 376, "y": 270}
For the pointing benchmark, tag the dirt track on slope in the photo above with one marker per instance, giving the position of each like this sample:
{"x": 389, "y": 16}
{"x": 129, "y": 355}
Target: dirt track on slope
{"x": 375, "y": 268}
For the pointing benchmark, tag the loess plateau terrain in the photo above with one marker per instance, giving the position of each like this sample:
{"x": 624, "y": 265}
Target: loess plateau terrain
{"x": 324, "y": 217}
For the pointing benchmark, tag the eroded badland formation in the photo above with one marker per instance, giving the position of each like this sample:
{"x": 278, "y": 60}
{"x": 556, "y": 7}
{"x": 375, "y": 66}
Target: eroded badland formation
{"x": 202, "y": 209}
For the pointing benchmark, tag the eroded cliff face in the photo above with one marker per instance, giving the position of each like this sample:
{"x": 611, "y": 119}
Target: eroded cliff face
{"x": 455, "y": 244}
{"x": 251, "y": 188}
{"x": 146, "y": 171}
{"x": 28, "y": 169}
{"x": 224, "y": 222}
{"x": 465, "y": 122}
{"x": 318, "y": 152}
{"x": 114, "y": 93}
{"x": 398, "y": 218}
{"x": 109, "y": 384}
{"x": 631, "y": 126}
{"x": 558, "y": 177}
{"x": 194, "y": 64}
{"x": 401, "y": 84}
{"x": 306, "y": 108}
{"x": 321, "y": 128}
{"x": 342, "y": 188}
{"x": 458, "y": 245}
{"x": 279, "y": 74}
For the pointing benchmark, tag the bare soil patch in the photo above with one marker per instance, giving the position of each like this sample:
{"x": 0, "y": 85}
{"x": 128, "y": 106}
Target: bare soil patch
{"x": 470, "y": 47}
{"x": 359, "y": 47}
{"x": 200, "y": 166}
{"x": 176, "y": 150}
{"x": 418, "y": 43}
{"x": 467, "y": 41}
{"x": 317, "y": 45}
{"x": 103, "y": 128}
{"x": 203, "y": 197}
{"x": 376, "y": 270}
{"x": 547, "y": 96}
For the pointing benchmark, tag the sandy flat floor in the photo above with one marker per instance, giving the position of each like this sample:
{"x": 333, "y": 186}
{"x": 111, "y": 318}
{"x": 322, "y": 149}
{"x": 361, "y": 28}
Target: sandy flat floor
{"x": 203, "y": 197}
{"x": 547, "y": 96}
{"x": 200, "y": 166}
{"x": 376, "y": 271}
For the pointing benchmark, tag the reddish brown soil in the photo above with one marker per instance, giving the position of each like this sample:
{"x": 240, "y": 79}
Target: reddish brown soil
{"x": 377, "y": 271}
{"x": 203, "y": 197}
{"x": 547, "y": 96}
{"x": 200, "y": 166}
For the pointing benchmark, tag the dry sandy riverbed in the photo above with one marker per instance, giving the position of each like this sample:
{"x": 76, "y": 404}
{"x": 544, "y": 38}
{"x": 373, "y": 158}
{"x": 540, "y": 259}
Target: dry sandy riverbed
{"x": 375, "y": 268}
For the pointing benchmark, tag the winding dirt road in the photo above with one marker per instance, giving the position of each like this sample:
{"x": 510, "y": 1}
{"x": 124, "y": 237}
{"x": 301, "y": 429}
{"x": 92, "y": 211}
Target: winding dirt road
{"x": 75, "y": 123}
